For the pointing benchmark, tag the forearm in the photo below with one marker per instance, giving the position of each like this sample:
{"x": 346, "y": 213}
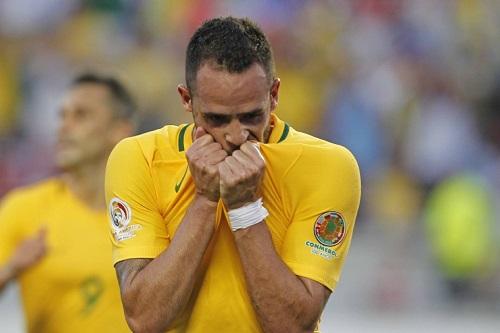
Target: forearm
{"x": 281, "y": 300}
{"x": 7, "y": 274}
{"x": 158, "y": 293}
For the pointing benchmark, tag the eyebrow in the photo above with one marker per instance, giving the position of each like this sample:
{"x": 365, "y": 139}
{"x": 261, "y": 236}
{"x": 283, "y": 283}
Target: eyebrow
{"x": 242, "y": 114}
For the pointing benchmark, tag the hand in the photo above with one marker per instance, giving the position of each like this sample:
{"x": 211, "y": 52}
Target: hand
{"x": 29, "y": 252}
{"x": 241, "y": 176}
{"x": 203, "y": 157}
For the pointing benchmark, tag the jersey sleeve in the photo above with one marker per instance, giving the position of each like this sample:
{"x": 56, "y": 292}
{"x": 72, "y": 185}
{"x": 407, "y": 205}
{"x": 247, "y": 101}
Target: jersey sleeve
{"x": 136, "y": 225}
{"x": 323, "y": 189}
{"x": 10, "y": 226}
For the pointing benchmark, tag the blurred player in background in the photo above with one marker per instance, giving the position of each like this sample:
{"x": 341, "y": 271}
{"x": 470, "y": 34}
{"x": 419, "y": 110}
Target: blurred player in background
{"x": 237, "y": 222}
{"x": 462, "y": 215}
{"x": 53, "y": 234}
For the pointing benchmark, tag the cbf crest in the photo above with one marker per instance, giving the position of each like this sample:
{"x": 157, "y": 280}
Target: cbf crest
{"x": 330, "y": 228}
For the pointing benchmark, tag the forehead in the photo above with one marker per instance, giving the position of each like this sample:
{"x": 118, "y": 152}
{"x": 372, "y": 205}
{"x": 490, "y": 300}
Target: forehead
{"x": 88, "y": 95}
{"x": 215, "y": 86}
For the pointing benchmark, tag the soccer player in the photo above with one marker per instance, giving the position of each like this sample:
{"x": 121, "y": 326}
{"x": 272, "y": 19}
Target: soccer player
{"x": 54, "y": 234}
{"x": 236, "y": 222}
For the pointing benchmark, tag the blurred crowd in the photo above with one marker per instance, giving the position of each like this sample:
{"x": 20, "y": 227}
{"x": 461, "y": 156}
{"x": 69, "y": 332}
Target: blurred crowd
{"x": 410, "y": 87}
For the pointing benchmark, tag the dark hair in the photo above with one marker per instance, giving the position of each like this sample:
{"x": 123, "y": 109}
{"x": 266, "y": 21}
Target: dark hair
{"x": 123, "y": 101}
{"x": 235, "y": 44}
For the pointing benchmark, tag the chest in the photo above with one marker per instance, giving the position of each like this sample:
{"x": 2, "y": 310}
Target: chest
{"x": 176, "y": 190}
{"x": 78, "y": 247}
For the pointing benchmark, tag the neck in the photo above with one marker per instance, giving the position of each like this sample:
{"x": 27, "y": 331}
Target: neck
{"x": 86, "y": 182}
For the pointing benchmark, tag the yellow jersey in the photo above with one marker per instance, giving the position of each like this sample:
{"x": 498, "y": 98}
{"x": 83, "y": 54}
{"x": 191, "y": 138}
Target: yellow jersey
{"x": 74, "y": 287}
{"x": 311, "y": 189}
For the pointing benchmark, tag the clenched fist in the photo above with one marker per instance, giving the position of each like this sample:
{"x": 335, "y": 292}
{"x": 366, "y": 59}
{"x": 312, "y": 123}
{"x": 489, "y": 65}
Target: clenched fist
{"x": 203, "y": 158}
{"x": 241, "y": 176}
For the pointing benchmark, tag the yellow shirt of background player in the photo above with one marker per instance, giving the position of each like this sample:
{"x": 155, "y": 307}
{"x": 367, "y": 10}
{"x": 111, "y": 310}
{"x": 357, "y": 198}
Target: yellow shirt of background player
{"x": 311, "y": 189}
{"x": 74, "y": 288}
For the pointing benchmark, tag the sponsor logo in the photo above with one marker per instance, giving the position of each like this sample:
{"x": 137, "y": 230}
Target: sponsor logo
{"x": 179, "y": 183}
{"x": 321, "y": 250}
{"x": 330, "y": 228}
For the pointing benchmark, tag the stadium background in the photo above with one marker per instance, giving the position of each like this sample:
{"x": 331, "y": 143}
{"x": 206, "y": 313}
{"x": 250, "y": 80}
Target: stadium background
{"x": 400, "y": 83}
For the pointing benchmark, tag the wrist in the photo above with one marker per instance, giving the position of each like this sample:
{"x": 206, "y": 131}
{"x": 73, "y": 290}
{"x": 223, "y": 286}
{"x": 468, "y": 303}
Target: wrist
{"x": 205, "y": 202}
{"x": 232, "y": 204}
{"x": 211, "y": 196}
{"x": 10, "y": 271}
{"x": 247, "y": 215}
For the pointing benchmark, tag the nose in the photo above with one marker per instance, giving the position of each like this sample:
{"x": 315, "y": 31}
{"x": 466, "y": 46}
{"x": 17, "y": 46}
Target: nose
{"x": 236, "y": 134}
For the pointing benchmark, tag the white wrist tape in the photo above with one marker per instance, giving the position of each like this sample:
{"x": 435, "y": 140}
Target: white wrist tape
{"x": 247, "y": 216}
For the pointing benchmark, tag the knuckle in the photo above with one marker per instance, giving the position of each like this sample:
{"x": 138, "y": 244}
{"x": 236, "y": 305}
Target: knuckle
{"x": 243, "y": 174}
{"x": 253, "y": 171}
{"x": 211, "y": 170}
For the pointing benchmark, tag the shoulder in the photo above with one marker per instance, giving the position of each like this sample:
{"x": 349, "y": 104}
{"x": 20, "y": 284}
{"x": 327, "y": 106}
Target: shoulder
{"x": 33, "y": 193}
{"x": 324, "y": 162}
{"x": 321, "y": 169}
{"x": 148, "y": 147}
{"x": 311, "y": 154}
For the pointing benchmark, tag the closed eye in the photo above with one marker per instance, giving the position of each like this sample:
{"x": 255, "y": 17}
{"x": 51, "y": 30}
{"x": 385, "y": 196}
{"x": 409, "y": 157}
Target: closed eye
{"x": 251, "y": 118}
{"x": 216, "y": 119}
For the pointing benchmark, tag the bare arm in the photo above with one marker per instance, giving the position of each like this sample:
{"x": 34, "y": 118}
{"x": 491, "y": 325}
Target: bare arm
{"x": 283, "y": 301}
{"x": 26, "y": 255}
{"x": 7, "y": 274}
{"x": 155, "y": 292}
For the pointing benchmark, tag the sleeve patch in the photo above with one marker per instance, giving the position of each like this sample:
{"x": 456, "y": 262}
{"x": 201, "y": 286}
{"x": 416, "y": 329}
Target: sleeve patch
{"x": 330, "y": 228}
{"x": 120, "y": 216}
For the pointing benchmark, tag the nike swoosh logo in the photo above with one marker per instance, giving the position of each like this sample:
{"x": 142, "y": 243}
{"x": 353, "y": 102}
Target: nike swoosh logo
{"x": 179, "y": 183}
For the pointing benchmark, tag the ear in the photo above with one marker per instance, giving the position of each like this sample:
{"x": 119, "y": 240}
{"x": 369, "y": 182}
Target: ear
{"x": 185, "y": 97}
{"x": 274, "y": 93}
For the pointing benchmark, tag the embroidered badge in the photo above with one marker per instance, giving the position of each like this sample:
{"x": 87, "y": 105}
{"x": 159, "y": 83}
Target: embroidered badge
{"x": 330, "y": 228}
{"x": 121, "y": 215}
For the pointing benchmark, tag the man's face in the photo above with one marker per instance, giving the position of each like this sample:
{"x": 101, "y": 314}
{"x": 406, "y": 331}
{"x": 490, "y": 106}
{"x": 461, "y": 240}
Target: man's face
{"x": 232, "y": 107}
{"x": 86, "y": 129}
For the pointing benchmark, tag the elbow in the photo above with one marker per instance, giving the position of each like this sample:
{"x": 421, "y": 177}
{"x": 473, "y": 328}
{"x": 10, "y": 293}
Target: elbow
{"x": 140, "y": 316}
{"x": 294, "y": 324}
{"x": 308, "y": 323}
{"x": 133, "y": 317}
{"x": 142, "y": 323}
{"x": 137, "y": 316}
{"x": 305, "y": 321}
{"x": 291, "y": 327}
{"x": 136, "y": 325}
